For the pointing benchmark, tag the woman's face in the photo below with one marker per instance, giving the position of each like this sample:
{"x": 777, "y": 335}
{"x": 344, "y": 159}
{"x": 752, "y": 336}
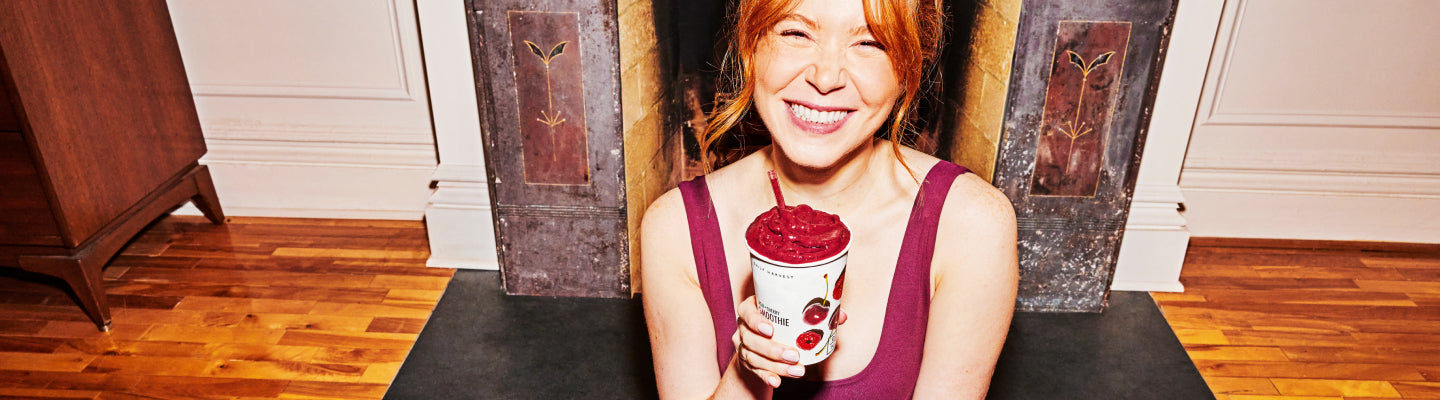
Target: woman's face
{"x": 823, "y": 85}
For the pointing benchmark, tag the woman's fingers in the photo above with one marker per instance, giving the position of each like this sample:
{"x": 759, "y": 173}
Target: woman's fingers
{"x": 765, "y": 357}
{"x": 768, "y": 369}
{"x": 763, "y": 347}
{"x": 750, "y": 317}
{"x": 761, "y": 332}
{"x": 842, "y": 317}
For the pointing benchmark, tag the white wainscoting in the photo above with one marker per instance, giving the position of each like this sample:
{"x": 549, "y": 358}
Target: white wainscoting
{"x": 1319, "y": 120}
{"x": 311, "y": 108}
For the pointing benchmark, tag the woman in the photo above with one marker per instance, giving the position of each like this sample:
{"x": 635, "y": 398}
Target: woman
{"x": 825, "y": 76}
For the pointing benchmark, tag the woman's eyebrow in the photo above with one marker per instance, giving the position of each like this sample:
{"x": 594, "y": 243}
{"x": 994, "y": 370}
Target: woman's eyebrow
{"x": 809, "y": 23}
{"x": 862, "y": 29}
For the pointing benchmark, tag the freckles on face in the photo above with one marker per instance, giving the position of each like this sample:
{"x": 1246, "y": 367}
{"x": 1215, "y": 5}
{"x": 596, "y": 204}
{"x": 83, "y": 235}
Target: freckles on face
{"x": 823, "y": 84}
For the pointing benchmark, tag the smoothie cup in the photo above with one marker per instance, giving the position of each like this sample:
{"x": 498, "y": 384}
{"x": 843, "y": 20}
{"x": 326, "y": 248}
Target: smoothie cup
{"x": 797, "y": 262}
{"x": 802, "y": 301}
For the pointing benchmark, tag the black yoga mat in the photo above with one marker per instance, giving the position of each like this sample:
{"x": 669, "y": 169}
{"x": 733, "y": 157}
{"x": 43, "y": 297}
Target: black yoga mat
{"x": 482, "y": 344}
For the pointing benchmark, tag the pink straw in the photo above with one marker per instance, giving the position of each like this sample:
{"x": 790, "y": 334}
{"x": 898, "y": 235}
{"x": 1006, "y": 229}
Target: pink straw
{"x": 775, "y": 184}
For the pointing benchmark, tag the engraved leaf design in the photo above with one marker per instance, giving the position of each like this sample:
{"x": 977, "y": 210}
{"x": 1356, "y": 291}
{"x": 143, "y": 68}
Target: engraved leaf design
{"x": 536, "y": 49}
{"x": 559, "y": 48}
{"x": 1101, "y": 60}
{"x": 1074, "y": 59}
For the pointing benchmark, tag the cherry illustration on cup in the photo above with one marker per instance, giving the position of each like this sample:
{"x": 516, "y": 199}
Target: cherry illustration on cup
{"x": 808, "y": 339}
{"x": 818, "y": 308}
{"x": 816, "y": 311}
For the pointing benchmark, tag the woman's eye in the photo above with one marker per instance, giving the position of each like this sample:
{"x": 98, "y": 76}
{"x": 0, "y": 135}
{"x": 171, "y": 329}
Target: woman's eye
{"x": 794, "y": 33}
{"x": 872, "y": 43}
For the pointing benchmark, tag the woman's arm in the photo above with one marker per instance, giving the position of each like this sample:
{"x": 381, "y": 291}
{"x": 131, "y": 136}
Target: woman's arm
{"x": 976, "y": 275}
{"x": 682, "y": 336}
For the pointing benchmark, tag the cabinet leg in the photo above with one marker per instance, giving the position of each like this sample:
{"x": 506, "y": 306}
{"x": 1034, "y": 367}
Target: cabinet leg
{"x": 205, "y": 198}
{"x": 84, "y": 279}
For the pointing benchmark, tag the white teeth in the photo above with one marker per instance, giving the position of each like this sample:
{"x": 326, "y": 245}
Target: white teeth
{"x": 819, "y": 117}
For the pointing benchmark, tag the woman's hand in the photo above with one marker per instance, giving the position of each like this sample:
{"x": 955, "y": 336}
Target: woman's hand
{"x": 764, "y": 357}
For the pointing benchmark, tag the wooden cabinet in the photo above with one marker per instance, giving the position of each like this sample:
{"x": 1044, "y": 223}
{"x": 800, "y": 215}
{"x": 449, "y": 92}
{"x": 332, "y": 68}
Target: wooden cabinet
{"x": 98, "y": 136}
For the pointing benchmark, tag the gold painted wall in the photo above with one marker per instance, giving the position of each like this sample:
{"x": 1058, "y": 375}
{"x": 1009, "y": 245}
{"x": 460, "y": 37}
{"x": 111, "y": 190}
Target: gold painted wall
{"x": 985, "y": 79}
{"x": 648, "y": 168}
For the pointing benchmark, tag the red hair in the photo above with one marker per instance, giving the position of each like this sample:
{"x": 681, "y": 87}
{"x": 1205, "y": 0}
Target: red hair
{"x": 909, "y": 30}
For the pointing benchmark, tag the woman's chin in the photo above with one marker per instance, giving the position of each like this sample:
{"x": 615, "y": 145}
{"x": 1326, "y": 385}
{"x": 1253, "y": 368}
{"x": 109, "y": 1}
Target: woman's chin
{"x": 813, "y": 158}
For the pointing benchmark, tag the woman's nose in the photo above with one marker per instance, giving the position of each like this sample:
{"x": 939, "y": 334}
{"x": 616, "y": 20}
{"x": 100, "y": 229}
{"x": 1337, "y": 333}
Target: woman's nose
{"x": 827, "y": 74}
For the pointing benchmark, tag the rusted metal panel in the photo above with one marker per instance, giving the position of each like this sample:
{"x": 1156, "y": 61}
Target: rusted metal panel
{"x": 1068, "y": 162}
{"x": 548, "y": 80}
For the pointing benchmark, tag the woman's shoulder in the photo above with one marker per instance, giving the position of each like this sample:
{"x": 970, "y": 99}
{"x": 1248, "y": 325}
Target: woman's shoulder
{"x": 665, "y": 240}
{"x": 976, "y": 206}
{"x": 978, "y": 223}
{"x": 664, "y": 217}
{"x": 726, "y": 177}
{"x": 970, "y": 196}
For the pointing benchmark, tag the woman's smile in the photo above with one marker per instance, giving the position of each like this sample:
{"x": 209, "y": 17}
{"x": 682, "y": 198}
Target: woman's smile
{"x": 818, "y": 119}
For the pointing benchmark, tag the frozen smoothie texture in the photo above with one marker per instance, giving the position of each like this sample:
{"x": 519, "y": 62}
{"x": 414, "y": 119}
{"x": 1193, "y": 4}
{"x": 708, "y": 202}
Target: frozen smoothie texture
{"x": 796, "y": 234}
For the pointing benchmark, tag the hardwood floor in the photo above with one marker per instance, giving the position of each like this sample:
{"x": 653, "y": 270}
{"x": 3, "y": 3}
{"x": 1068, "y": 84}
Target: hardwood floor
{"x": 1266, "y": 319}
{"x": 293, "y": 308}
{"x": 257, "y": 308}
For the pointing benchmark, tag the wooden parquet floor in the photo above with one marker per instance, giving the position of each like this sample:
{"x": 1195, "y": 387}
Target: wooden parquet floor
{"x": 257, "y": 308}
{"x": 1266, "y": 319}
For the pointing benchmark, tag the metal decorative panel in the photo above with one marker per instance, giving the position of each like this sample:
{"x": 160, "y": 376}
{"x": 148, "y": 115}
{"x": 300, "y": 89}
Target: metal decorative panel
{"x": 551, "y": 109}
{"x": 548, "y": 80}
{"x": 1081, "y": 93}
{"x": 1088, "y": 58}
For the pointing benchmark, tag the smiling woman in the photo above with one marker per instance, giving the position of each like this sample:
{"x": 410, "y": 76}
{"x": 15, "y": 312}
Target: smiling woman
{"x": 830, "y": 81}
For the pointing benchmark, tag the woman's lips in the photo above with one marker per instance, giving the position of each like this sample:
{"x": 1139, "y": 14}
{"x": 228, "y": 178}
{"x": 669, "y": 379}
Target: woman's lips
{"x": 816, "y": 112}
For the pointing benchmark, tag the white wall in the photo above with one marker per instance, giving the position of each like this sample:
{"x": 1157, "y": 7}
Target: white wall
{"x": 1320, "y": 119}
{"x": 311, "y": 108}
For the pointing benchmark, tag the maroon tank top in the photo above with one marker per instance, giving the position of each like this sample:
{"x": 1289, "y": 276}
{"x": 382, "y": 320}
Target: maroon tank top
{"x": 893, "y": 370}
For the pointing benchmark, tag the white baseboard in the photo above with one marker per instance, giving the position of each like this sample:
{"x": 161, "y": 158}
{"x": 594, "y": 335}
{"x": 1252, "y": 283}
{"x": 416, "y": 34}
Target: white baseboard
{"x": 1153, "y": 250}
{"x": 1151, "y": 260}
{"x": 1143, "y": 286}
{"x": 1313, "y": 205}
{"x": 1312, "y": 216}
{"x": 299, "y": 190}
{"x": 458, "y": 220}
{"x": 463, "y": 264}
{"x": 189, "y": 209}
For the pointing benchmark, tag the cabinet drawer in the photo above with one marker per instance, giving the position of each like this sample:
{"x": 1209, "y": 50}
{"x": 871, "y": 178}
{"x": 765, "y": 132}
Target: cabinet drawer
{"x": 25, "y": 216}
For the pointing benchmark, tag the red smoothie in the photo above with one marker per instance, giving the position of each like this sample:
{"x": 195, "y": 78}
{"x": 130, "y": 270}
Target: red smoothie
{"x": 797, "y": 235}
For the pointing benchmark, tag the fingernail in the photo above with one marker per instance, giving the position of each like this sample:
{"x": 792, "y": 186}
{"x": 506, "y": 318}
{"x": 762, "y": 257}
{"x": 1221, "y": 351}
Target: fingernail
{"x": 797, "y": 371}
{"x": 791, "y": 356}
{"x": 773, "y": 380}
{"x": 767, "y": 330}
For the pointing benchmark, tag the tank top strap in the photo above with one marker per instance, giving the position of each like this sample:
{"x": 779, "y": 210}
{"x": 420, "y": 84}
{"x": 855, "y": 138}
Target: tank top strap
{"x": 907, "y": 311}
{"x": 918, "y": 248}
{"x": 711, "y": 269}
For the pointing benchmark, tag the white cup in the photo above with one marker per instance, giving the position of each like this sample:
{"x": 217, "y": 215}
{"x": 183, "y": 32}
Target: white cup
{"x": 799, "y": 299}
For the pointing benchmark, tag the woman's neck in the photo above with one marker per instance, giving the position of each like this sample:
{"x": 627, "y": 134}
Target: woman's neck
{"x": 834, "y": 189}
